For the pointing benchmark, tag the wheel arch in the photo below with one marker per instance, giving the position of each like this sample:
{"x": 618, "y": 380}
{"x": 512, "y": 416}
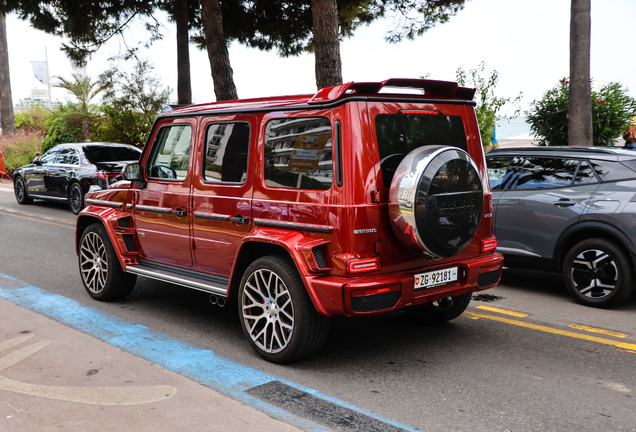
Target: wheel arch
{"x": 271, "y": 241}
{"x": 86, "y": 220}
{"x": 591, "y": 229}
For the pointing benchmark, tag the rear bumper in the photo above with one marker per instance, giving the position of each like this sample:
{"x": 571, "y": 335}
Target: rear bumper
{"x": 335, "y": 296}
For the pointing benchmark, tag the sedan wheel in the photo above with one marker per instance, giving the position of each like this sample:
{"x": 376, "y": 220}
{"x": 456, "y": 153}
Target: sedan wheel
{"x": 276, "y": 313}
{"x": 76, "y": 198}
{"x": 21, "y": 194}
{"x": 101, "y": 272}
{"x": 598, "y": 272}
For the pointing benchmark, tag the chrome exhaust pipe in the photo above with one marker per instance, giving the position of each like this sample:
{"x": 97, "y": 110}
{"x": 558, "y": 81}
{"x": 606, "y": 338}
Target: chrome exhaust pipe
{"x": 217, "y": 300}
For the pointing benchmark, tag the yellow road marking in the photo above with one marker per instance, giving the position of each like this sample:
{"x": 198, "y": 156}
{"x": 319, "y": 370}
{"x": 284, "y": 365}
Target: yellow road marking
{"x": 503, "y": 311}
{"x": 598, "y": 330}
{"x": 39, "y": 220}
{"x": 627, "y": 346}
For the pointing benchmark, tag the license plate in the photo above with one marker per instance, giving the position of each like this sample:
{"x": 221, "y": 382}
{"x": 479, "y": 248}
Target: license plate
{"x": 435, "y": 278}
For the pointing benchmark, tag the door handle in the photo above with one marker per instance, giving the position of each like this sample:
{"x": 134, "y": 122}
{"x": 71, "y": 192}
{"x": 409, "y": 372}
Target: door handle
{"x": 564, "y": 202}
{"x": 179, "y": 213}
{"x": 240, "y": 220}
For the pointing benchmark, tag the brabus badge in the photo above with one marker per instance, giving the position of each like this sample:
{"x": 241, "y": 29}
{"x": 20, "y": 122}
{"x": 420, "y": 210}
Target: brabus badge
{"x": 365, "y": 231}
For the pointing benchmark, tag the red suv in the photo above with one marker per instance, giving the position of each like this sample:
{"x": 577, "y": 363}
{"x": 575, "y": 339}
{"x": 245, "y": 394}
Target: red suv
{"x": 362, "y": 199}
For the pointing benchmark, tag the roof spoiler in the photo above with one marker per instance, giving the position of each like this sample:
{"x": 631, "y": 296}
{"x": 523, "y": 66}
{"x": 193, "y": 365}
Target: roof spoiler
{"x": 430, "y": 88}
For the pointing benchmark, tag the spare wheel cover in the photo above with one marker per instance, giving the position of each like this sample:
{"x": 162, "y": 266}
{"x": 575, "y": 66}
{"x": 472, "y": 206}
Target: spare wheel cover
{"x": 436, "y": 201}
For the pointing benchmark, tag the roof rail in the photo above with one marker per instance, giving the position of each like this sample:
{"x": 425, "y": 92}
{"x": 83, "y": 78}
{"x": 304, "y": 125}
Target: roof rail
{"x": 168, "y": 108}
{"x": 430, "y": 88}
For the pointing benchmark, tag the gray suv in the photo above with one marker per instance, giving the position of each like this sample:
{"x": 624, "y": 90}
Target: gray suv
{"x": 570, "y": 210}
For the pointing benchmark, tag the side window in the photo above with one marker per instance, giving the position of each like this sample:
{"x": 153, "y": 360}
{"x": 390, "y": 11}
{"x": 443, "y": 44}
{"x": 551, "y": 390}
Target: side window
{"x": 612, "y": 171}
{"x": 226, "y": 152}
{"x": 298, "y": 153}
{"x": 68, "y": 156}
{"x": 585, "y": 174}
{"x": 542, "y": 173}
{"x": 499, "y": 170}
{"x": 50, "y": 156}
{"x": 170, "y": 153}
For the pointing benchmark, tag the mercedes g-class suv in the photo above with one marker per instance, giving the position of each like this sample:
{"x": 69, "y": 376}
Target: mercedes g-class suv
{"x": 364, "y": 198}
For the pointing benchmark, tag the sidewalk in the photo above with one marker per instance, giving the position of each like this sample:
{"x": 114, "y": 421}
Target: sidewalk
{"x": 56, "y": 378}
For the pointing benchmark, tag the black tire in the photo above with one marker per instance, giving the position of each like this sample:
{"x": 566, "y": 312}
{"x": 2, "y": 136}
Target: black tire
{"x": 101, "y": 272}
{"x": 437, "y": 312}
{"x": 76, "y": 198}
{"x": 20, "y": 190}
{"x": 276, "y": 312}
{"x": 599, "y": 273}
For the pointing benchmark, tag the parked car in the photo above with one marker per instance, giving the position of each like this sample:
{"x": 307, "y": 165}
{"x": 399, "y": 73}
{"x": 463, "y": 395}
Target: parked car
{"x": 570, "y": 210}
{"x": 354, "y": 201}
{"x": 68, "y": 171}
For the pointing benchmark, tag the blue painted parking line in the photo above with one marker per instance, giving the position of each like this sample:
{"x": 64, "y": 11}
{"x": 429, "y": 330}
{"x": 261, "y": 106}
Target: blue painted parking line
{"x": 235, "y": 380}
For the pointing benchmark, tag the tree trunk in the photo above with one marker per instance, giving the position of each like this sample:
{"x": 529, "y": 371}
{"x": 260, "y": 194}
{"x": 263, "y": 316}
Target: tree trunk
{"x": 7, "y": 119}
{"x": 326, "y": 43}
{"x": 222, "y": 74}
{"x": 580, "y": 102}
{"x": 184, "y": 90}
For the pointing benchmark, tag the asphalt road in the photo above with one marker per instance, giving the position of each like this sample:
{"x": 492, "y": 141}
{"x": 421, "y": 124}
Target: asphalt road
{"x": 531, "y": 360}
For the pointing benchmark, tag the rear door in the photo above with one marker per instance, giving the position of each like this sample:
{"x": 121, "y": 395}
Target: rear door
{"x": 162, "y": 209}
{"x": 542, "y": 198}
{"x": 222, "y": 190}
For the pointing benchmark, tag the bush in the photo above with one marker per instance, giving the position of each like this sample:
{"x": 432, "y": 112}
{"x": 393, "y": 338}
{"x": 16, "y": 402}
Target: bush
{"x": 34, "y": 117}
{"x": 488, "y": 105}
{"x": 19, "y": 149}
{"x": 612, "y": 110}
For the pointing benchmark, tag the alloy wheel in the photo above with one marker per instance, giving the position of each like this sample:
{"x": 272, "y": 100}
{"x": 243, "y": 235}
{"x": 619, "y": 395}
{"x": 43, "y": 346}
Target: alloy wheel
{"x": 594, "y": 273}
{"x": 93, "y": 263}
{"x": 268, "y": 311}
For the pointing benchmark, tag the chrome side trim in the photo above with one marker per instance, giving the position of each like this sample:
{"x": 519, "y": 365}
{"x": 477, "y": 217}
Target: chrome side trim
{"x": 112, "y": 204}
{"x": 188, "y": 283}
{"x": 212, "y": 216}
{"x": 293, "y": 226}
{"x": 48, "y": 197}
{"x": 153, "y": 209}
{"x": 516, "y": 251}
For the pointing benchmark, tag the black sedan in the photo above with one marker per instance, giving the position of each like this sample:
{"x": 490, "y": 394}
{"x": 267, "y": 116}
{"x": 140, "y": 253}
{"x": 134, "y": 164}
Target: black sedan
{"x": 68, "y": 171}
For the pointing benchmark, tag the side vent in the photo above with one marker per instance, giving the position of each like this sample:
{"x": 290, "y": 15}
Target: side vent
{"x": 129, "y": 241}
{"x": 124, "y": 222}
{"x": 319, "y": 257}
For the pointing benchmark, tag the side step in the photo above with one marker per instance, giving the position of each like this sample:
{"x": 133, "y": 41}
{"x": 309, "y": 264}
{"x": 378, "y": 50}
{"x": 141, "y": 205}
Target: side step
{"x": 187, "y": 278}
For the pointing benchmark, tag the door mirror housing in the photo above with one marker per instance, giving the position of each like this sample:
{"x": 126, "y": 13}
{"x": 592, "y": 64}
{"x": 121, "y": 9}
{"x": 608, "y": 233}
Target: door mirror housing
{"x": 37, "y": 161}
{"x": 132, "y": 172}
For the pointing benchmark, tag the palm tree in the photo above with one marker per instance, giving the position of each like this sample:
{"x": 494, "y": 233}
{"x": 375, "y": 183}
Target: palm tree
{"x": 580, "y": 99}
{"x": 83, "y": 88}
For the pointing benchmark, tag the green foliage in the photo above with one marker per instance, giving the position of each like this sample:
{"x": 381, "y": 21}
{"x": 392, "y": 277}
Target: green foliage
{"x": 612, "y": 110}
{"x": 66, "y": 125}
{"x": 19, "y": 149}
{"x": 132, "y": 101}
{"x": 488, "y": 104}
{"x": 83, "y": 88}
{"x": 34, "y": 117}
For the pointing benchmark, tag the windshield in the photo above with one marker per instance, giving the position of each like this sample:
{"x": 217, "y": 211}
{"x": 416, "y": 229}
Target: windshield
{"x": 96, "y": 153}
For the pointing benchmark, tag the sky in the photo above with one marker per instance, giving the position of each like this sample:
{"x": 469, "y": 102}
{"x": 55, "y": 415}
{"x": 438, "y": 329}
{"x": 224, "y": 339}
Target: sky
{"x": 526, "y": 42}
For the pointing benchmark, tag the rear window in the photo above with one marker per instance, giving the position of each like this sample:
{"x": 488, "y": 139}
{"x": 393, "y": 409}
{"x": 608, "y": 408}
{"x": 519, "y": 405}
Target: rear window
{"x": 612, "y": 171}
{"x": 96, "y": 153}
{"x": 399, "y": 134}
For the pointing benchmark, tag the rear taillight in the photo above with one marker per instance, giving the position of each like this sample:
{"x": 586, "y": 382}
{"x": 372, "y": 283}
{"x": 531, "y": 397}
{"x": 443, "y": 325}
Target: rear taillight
{"x": 488, "y": 244}
{"x": 425, "y": 112}
{"x": 362, "y": 265}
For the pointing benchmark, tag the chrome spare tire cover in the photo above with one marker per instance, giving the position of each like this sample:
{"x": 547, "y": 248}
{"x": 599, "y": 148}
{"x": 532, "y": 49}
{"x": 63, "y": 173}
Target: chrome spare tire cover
{"x": 436, "y": 201}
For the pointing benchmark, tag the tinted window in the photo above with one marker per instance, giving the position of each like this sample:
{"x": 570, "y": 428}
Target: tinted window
{"x": 68, "y": 156}
{"x": 298, "y": 153}
{"x": 226, "y": 152}
{"x": 541, "y": 173}
{"x": 170, "y": 153}
{"x": 50, "y": 156}
{"x": 612, "y": 171}
{"x": 499, "y": 170}
{"x": 96, "y": 153}
{"x": 399, "y": 134}
{"x": 585, "y": 174}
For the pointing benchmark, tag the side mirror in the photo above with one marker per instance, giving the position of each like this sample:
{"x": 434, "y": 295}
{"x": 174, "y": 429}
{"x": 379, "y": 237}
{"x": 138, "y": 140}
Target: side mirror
{"x": 36, "y": 161}
{"x": 132, "y": 172}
